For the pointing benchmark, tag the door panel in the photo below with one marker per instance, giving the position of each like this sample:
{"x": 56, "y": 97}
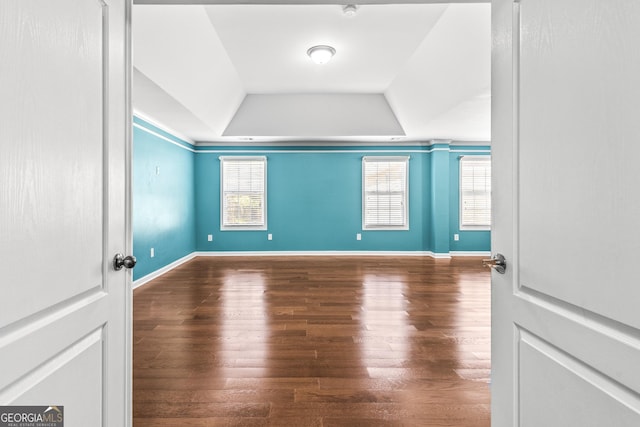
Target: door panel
{"x": 565, "y": 331}
{"x": 64, "y": 314}
{"x": 573, "y": 189}
{"x": 78, "y": 365}
{"x": 53, "y": 154}
{"x": 571, "y": 392}
{"x": 601, "y": 344}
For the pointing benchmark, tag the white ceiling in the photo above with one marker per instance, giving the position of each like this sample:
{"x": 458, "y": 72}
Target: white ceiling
{"x": 223, "y": 73}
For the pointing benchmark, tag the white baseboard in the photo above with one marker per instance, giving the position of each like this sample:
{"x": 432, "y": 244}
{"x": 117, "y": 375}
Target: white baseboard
{"x": 471, "y": 253}
{"x": 322, "y": 253}
{"x": 439, "y": 255}
{"x": 149, "y": 277}
{"x": 141, "y": 281}
{"x": 431, "y": 254}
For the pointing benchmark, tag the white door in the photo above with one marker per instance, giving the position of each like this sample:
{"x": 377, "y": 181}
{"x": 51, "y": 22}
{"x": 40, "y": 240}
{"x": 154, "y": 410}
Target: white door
{"x": 566, "y": 147}
{"x": 64, "y": 120}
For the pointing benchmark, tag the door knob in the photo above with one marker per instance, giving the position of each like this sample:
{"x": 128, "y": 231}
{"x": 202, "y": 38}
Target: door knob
{"x": 497, "y": 262}
{"x": 120, "y": 261}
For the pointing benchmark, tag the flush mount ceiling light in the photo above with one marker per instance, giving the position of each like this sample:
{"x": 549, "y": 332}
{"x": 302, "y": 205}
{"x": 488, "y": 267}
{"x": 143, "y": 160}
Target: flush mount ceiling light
{"x": 350, "y": 9}
{"x": 321, "y": 54}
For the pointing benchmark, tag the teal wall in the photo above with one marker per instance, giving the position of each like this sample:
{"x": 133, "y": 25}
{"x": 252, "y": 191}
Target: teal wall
{"x": 439, "y": 194}
{"x": 314, "y": 203}
{"x": 314, "y": 200}
{"x": 164, "y": 214}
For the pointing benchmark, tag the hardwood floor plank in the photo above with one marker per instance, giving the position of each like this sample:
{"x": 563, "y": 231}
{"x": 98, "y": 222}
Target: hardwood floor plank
{"x": 314, "y": 341}
{"x": 215, "y": 396}
{"x": 203, "y": 422}
{"x": 200, "y": 409}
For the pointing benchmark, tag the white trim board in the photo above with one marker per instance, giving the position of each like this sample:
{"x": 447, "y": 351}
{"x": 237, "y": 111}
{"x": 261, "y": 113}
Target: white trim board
{"x": 269, "y": 148}
{"x": 344, "y": 253}
{"x": 157, "y": 135}
{"x": 159, "y": 125}
{"x": 346, "y": 143}
{"x": 149, "y": 277}
{"x": 470, "y": 253}
{"x": 348, "y": 149}
{"x": 321, "y": 253}
{"x": 250, "y": 146}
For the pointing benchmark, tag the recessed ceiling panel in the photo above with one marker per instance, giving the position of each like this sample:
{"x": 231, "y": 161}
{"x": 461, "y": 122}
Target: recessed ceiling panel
{"x": 314, "y": 115}
{"x": 423, "y": 69}
{"x": 177, "y": 48}
{"x": 152, "y": 103}
{"x": 268, "y": 44}
{"x": 443, "y": 91}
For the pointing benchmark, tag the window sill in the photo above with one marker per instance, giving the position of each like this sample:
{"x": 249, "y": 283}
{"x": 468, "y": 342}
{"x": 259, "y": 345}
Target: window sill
{"x": 243, "y": 229}
{"x": 385, "y": 228}
{"x": 475, "y": 228}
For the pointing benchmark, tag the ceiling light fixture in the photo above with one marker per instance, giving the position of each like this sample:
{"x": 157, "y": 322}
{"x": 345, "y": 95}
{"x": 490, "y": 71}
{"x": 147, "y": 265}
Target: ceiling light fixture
{"x": 321, "y": 54}
{"x": 350, "y": 9}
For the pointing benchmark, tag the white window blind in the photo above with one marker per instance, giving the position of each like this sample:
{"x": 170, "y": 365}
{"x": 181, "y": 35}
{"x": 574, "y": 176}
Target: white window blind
{"x": 384, "y": 192}
{"x": 243, "y": 201}
{"x": 475, "y": 192}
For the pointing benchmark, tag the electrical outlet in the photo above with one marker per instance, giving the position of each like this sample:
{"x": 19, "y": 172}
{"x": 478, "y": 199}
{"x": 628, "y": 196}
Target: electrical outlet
{"x": 358, "y": 236}
{"x": 157, "y": 170}
{"x": 269, "y": 236}
{"x": 456, "y": 237}
{"x": 152, "y": 252}
{"x": 210, "y": 237}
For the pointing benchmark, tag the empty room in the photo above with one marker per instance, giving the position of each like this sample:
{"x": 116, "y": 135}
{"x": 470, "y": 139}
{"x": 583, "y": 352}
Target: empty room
{"x": 303, "y": 226}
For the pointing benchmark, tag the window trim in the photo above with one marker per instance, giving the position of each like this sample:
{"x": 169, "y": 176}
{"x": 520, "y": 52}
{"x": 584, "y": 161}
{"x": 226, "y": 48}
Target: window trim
{"x": 461, "y": 227}
{"x": 263, "y": 226}
{"x": 405, "y": 200}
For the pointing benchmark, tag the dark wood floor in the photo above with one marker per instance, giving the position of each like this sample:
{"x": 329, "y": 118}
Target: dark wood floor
{"x": 314, "y": 341}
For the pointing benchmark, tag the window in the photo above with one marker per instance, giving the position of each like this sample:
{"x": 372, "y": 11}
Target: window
{"x": 475, "y": 193}
{"x": 243, "y": 193}
{"x": 384, "y": 193}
